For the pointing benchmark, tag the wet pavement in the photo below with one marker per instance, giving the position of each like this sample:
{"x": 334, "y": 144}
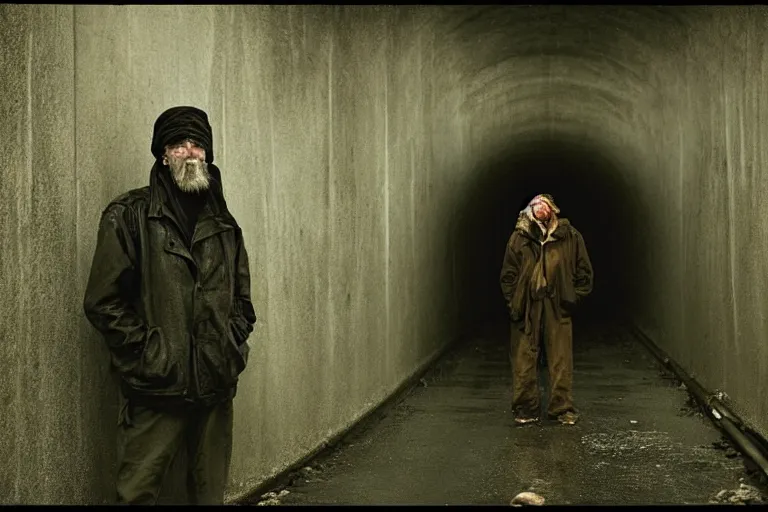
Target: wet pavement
{"x": 451, "y": 440}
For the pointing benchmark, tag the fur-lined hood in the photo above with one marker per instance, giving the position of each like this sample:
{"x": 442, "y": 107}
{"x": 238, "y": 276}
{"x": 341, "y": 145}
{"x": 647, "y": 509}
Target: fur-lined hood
{"x": 526, "y": 222}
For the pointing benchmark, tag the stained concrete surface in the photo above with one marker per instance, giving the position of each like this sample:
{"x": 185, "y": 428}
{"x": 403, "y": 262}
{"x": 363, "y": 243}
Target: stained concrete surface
{"x": 452, "y": 440}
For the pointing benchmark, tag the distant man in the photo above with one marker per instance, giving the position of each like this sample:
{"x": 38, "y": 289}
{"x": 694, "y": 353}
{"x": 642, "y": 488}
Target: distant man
{"x": 545, "y": 272}
{"x": 169, "y": 290}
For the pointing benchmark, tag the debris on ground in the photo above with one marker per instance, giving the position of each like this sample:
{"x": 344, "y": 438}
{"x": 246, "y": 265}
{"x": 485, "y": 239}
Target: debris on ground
{"x": 745, "y": 494}
{"x": 273, "y": 498}
{"x": 633, "y": 421}
{"x": 683, "y": 387}
{"x": 691, "y": 407}
{"x": 423, "y": 382}
{"x": 726, "y": 447}
{"x": 309, "y": 474}
{"x": 624, "y": 444}
{"x": 527, "y": 498}
{"x": 755, "y": 474}
{"x": 270, "y": 498}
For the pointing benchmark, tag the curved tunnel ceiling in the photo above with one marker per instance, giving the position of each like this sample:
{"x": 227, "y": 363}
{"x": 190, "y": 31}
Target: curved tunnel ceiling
{"x": 555, "y": 99}
{"x": 586, "y": 65}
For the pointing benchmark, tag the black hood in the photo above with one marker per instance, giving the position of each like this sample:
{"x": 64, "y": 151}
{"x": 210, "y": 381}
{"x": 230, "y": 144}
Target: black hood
{"x": 179, "y": 123}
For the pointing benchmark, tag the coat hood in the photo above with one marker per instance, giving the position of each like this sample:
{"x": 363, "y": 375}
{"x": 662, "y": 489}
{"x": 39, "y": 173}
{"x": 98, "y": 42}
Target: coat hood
{"x": 179, "y": 123}
{"x": 527, "y": 225}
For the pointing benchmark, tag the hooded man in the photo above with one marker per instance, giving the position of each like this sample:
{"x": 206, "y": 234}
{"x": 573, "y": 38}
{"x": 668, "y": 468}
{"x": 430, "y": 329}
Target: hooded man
{"x": 169, "y": 290}
{"x": 546, "y": 271}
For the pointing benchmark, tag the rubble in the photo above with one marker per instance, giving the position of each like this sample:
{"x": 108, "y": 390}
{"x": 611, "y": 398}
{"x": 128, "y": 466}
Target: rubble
{"x": 623, "y": 444}
{"x": 691, "y": 407}
{"x": 726, "y": 447}
{"x": 744, "y": 495}
{"x": 527, "y": 498}
{"x": 269, "y": 498}
{"x": 273, "y": 498}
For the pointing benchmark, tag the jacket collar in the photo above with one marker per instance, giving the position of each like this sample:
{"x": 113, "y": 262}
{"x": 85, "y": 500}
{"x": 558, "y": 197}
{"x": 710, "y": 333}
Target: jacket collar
{"x": 527, "y": 226}
{"x": 214, "y": 217}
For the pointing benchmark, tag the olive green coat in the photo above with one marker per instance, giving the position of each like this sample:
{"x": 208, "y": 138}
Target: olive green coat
{"x": 565, "y": 264}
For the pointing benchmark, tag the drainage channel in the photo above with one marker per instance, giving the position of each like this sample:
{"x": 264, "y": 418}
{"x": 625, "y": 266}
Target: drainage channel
{"x": 747, "y": 441}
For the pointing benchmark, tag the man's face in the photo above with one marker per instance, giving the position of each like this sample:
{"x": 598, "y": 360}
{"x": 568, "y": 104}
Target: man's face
{"x": 541, "y": 211}
{"x": 188, "y": 166}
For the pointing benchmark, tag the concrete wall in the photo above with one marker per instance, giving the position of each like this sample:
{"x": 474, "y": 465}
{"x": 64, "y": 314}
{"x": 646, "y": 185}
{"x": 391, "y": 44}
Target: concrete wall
{"x": 324, "y": 124}
{"x": 49, "y": 407}
{"x": 711, "y": 145}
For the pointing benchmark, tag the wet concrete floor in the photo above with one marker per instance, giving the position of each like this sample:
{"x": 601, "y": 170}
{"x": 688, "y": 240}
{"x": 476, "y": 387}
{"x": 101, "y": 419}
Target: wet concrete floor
{"x": 452, "y": 439}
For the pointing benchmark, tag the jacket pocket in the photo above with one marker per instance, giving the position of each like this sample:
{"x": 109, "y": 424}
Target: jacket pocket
{"x": 237, "y": 355}
{"x": 516, "y": 304}
{"x": 566, "y": 292}
{"x": 157, "y": 369}
{"x": 242, "y": 348}
{"x": 220, "y": 363}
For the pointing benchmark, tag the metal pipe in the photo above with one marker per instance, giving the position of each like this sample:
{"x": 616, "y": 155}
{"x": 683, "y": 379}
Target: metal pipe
{"x": 720, "y": 415}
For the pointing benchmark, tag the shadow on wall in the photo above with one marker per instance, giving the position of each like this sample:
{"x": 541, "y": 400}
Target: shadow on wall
{"x": 589, "y": 188}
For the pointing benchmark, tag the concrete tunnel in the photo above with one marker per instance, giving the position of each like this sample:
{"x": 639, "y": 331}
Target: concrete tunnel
{"x": 376, "y": 158}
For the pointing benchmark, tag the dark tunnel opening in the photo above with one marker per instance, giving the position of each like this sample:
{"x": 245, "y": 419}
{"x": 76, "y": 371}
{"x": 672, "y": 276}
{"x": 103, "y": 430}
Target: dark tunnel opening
{"x": 591, "y": 190}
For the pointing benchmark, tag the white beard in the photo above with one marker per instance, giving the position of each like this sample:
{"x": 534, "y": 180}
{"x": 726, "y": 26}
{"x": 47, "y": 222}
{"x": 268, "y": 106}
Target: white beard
{"x": 190, "y": 174}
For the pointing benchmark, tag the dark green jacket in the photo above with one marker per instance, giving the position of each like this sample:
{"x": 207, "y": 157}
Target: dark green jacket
{"x": 175, "y": 319}
{"x": 566, "y": 262}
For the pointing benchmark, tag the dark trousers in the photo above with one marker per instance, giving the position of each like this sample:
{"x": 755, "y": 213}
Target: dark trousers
{"x": 149, "y": 439}
{"x": 556, "y": 334}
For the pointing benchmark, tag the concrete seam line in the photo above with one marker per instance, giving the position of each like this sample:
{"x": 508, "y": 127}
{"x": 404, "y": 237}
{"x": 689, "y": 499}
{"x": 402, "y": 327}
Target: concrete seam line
{"x": 716, "y": 411}
{"x": 278, "y": 477}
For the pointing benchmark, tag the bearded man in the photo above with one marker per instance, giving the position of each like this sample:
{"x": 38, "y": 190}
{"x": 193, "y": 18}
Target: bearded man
{"x": 545, "y": 273}
{"x": 169, "y": 290}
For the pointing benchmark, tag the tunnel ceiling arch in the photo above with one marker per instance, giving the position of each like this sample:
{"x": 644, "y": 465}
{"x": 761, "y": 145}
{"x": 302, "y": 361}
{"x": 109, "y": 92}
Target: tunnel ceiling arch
{"x": 586, "y": 67}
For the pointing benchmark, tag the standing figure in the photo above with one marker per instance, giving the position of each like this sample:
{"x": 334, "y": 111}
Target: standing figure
{"x": 545, "y": 273}
{"x": 170, "y": 292}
